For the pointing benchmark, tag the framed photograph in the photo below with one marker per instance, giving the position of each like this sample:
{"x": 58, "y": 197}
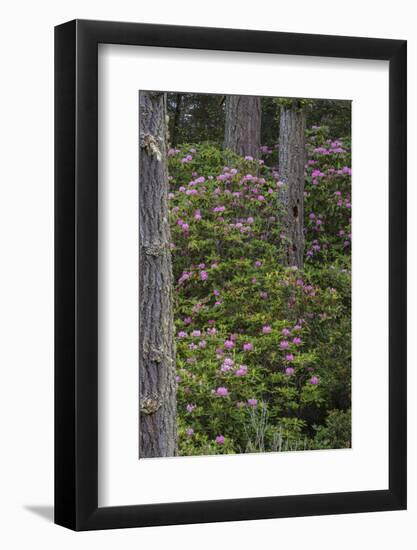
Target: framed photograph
{"x": 230, "y": 255}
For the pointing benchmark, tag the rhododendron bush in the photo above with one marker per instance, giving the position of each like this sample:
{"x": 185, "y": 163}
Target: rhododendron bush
{"x": 263, "y": 349}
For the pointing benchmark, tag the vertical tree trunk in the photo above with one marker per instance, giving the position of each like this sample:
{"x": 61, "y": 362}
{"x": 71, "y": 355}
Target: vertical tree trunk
{"x": 176, "y": 119}
{"x": 243, "y": 125}
{"x": 291, "y": 172}
{"x": 156, "y": 332}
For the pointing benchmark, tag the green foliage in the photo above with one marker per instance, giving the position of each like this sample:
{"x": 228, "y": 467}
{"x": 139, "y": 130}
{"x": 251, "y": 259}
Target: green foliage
{"x": 293, "y": 103}
{"x": 195, "y": 117}
{"x": 333, "y": 113}
{"x": 200, "y": 117}
{"x": 336, "y": 433}
{"x": 263, "y": 350}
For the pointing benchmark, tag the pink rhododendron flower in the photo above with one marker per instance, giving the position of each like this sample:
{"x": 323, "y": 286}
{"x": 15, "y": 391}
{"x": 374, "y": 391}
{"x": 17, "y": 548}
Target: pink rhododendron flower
{"x": 289, "y": 357}
{"x": 189, "y": 432}
{"x": 229, "y": 344}
{"x": 285, "y": 332}
{"x": 289, "y": 371}
{"x": 252, "y": 402}
{"x": 266, "y": 329}
{"x": 187, "y": 159}
{"x": 317, "y": 174}
{"x": 182, "y": 334}
{"x": 196, "y": 333}
{"x": 222, "y": 392}
{"x": 190, "y": 407}
{"x": 247, "y": 347}
{"x": 225, "y": 367}
{"x": 314, "y": 380}
{"x": 284, "y": 344}
{"x": 296, "y": 340}
{"x": 241, "y": 371}
{"x": 220, "y": 440}
{"x": 203, "y": 275}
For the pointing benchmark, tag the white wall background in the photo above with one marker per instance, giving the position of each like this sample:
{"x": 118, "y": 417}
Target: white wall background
{"x": 26, "y": 272}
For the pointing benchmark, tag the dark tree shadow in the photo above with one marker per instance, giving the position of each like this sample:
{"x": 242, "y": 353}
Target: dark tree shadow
{"x": 45, "y": 512}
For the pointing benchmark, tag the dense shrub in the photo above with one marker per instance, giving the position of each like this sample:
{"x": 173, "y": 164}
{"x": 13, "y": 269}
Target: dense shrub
{"x": 263, "y": 350}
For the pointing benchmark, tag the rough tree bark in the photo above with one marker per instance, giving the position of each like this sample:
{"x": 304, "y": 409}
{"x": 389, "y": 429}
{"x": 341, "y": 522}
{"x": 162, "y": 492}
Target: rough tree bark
{"x": 291, "y": 171}
{"x": 243, "y": 125}
{"x": 176, "y": 118}
{"x": 156, "y": 329}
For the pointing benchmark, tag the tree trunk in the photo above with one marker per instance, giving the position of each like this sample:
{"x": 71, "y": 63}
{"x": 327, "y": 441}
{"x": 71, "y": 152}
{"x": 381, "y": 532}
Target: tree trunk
{"x": 291, "y": 172}
{"x": 243, "y": 125}
{"x": 176, "y": 120}
{"x": 156, "y": 329}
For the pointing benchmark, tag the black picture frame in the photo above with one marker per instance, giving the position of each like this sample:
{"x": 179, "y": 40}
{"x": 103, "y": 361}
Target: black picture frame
{"x": 76, "y": 271}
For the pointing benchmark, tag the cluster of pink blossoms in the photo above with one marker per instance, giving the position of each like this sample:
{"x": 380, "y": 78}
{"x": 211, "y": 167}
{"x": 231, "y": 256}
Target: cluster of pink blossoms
{"x": 187, "y": 159}
{"x": 251, "y": 189}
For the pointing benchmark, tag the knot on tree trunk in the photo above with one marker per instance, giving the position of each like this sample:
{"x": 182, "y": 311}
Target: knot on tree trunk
{"x": 154, "y": 249}
{"x": 150, "y": 404}
{"x": 157, "y": 355}
{"x": 151, "y": 144}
